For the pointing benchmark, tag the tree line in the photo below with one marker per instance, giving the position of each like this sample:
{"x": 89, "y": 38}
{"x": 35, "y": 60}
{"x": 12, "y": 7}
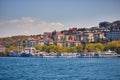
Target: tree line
{"x": 90, "y": 47}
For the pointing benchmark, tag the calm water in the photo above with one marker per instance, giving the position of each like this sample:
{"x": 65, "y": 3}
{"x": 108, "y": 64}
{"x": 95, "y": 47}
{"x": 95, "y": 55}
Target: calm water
{"x": 13, "y": 68}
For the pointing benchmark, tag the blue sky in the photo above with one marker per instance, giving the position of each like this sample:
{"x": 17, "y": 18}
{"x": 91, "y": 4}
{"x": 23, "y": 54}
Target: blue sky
{"x": 25, "y": 17}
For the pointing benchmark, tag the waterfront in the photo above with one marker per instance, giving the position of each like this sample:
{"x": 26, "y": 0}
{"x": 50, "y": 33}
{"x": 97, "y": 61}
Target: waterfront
{"x": 20, "y": 68}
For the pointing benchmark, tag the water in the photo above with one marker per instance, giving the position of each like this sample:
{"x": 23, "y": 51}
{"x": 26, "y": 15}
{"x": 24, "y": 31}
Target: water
{"x": 18, "y": 68}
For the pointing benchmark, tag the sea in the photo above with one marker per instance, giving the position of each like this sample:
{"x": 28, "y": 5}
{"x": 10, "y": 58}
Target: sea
{"x": 28, "y": 68}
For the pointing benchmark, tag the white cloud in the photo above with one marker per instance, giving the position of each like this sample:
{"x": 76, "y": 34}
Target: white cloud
{"x": 28, "y": 25}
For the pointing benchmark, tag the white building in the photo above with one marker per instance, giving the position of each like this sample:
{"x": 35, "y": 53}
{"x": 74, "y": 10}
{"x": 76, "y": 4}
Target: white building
{"x": 98, "y": 36}
{"x": 2, "y": 48}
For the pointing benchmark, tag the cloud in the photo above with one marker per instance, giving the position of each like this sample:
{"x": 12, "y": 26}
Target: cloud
{"x": 27, "y": 26}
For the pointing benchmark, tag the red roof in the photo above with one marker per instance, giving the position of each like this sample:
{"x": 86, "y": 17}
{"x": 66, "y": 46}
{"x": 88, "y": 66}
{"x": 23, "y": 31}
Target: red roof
{"x": 32, "y": 39}
{"x": 97, "y": 33}
{"x": 72, "y": 41}
{"x": 73, "y": 29}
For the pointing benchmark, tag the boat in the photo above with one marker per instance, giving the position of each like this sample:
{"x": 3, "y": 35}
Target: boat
{"x": 108, "y": 53}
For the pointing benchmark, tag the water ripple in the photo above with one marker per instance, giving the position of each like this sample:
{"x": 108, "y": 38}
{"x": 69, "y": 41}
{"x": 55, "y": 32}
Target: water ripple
{"x": 15, "y": 68}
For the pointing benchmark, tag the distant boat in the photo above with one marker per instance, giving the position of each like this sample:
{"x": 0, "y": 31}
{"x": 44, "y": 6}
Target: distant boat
{"x": 98, "y": 54}
{"x": 108, "y": 53}
{"x": 86, "y": 55}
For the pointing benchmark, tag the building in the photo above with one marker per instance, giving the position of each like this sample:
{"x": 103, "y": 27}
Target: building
{"x": 70, "y": 43}
{"x": 112, "y": 35}
{"x": 2, "y": 49}
{"x": 41, "y": 42}
{"x": 39, "y": 36}
{"x": 87, "y": 37}
{"x": 31, "y": 42}
{"x": 58, "y": 37}
{"x": 48, "y": 41}
{"x": 98, "y": 36}
{"x": 60, "y": 43}
{"x": 47, "y": 35}
{"x": 29, "y": 50}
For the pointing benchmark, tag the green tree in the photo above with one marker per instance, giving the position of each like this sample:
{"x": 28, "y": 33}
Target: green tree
{"x": 114, "y": 46}
{"x": 52, "y": 48}
{"x": 90, "y": 47}
{"x": 13, "y": 48}
{"x": 94, "y": 47}
{"x": 72, "y": 49}
{"x": 46, "y": 48}
{"x": 39, "y": 47}
{"x": 79, "y": 48}
{"x": 98, "y": 47}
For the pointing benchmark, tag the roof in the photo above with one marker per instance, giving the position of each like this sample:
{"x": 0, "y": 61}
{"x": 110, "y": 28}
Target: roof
{"x": 97, "y": 33}
{"x": 60, "y": 41}
{"x": 1, "y": 46}
{"x": 32, "y": 39}
{"x": 47, "y": 32}
{"x": 59, "y": 34}
{"x": 50, "y": 40}
{"x": 72, "y": 41}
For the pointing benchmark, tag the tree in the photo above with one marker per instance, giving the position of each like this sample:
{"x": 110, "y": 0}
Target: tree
{"x": 114, "y": 46}
{"x": 52, "y": 48}
{"x": 72, "y": 49}
{"x": 61, "y": 49}
{"x": 104, "y": 24}
{"x": 94, "y": 47}
{"x": 13, "y": 48}
{"x": 46, "y": 48}
{"x": 39, "y": 47}
{"x": 89, "y": 47}
{"x": 98, "y": 47}
{"x": 79, "y": 48}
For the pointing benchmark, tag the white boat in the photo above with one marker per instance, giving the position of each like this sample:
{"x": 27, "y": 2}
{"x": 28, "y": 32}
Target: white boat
{"x": 108, "y": 53}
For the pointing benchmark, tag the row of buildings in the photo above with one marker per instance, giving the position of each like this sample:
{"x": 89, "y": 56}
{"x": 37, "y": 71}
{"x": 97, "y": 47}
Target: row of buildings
{"x": 73, "y": 37}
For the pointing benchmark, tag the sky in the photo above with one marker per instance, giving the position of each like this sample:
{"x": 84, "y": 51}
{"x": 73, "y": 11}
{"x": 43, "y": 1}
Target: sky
{"x": 32, "y": 17}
